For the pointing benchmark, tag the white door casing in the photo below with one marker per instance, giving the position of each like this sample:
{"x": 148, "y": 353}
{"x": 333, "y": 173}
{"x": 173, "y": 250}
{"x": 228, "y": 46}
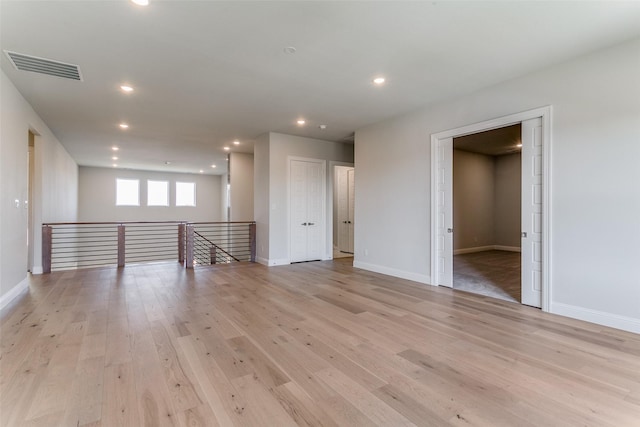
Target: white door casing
{"x": 345, "y": 208}
{"x": 539, "y": 190}
{"x": 531, "y": 199}
{"x": 307, "y": 205}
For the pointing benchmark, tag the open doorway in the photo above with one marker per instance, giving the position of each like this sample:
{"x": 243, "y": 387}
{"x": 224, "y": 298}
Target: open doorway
{"x": 343, "y": 211}
{"x": 535, "y": 202}
{"x": 487, "y": 213}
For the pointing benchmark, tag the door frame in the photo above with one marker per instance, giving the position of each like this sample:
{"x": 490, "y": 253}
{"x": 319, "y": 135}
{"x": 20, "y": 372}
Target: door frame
{"x": 545, "y": 114}
{"x": 325, "y": 203}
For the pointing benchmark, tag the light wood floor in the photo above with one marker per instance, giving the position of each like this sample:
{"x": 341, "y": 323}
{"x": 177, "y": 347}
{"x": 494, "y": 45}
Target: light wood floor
{"x": 315, "y": 344}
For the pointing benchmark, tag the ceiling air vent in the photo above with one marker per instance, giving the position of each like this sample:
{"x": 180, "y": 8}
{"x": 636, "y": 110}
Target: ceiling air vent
{"x": 44, "y": 66}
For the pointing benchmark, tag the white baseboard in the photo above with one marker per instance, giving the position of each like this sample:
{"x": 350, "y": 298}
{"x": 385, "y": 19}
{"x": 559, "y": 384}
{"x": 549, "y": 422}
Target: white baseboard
{"x": 281, "y": 261}
{"x": 262, "y": 261}
{"x": 486, "y": 248}
{"x": 36, "y": 269}
{"x": 416, "y": 277}
{"x": 14, "y": 292}
{"x": 507, "y": 248}
{"x": 625, "y": 323}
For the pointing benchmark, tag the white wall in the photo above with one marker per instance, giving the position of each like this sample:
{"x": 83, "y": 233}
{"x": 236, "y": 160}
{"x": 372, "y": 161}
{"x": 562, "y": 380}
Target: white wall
{"x": 473, "y": 200}
{"x": 507, "y": 200}
{"x": 261, "y": 208}
{"x": 279, "y": 147}
{"x": 241, "y": 172}
{"x": 55, "y": 185}
{"x": 97, "y": 197}
{"x": 486, "y": 200}
{"x": 595, "y": 186}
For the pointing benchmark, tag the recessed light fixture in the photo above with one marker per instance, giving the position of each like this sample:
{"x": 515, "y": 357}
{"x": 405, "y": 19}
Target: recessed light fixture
{"x": 301, "y": 122}
{"x": 167, "y": 162}
{"x": 201, "y": 171}
{"x": 236, "y": 142}
{"x": 115, "y": 165}
{"x": 323, "y": 127}
{"x": 124, "y": 125}
{"x": 379, "y": 80}
{"x": 518, "y": 145}
{"x": 115, "y": 148}
{"x": 226, "y": 148}
{"x": 289, "y": 50}
{"x": 213, "y": 166}
{"x": 126, "y": 88}
{"x": 114, "y": 158}
{"x": 141, "y": 2}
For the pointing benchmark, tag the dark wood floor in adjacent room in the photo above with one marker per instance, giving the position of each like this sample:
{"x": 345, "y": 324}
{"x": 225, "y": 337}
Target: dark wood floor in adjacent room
{"x": 314, "y": 344}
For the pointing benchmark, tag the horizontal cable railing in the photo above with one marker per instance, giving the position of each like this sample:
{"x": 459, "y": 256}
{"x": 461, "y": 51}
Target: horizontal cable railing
{"x": 68, "y": 246}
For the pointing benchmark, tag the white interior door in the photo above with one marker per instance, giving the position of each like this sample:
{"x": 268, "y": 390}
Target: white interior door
{"x": 532, "y": 172}
{"x": 350, "y": 216}
{"x": 307, "y": 194}
{"x": 445, "y": 212}
{"x": 345, "y": 211}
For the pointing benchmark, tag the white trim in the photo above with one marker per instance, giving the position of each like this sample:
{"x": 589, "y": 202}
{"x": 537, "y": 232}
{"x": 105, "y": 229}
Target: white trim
{"x": 473, "y": 250}
{"x": 507, "y": 248}
{"x": 37, "y": 269}
{"x": 14, "y": 292}
{"x": 545, "y": 114}
{"x": 416, "y": 277}
{"x": 280, "y": 261}
{"x": 625, "y": 323}
{"x": 487, "y": 248}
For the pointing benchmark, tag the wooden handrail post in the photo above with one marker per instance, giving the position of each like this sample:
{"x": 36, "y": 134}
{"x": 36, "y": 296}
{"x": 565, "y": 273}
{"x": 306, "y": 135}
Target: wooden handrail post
{"x": 252, "y": 241}
{"x": 181, "y": 232}
{"x": 47, "y": 241}
{"x": 190, "y": 241}
{"x": 212, "y": 252}
{"x": 121, "y": 241}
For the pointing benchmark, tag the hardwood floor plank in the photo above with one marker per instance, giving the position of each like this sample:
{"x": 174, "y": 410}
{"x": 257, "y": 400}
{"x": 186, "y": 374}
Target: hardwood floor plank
{"x": 313, "y": 344}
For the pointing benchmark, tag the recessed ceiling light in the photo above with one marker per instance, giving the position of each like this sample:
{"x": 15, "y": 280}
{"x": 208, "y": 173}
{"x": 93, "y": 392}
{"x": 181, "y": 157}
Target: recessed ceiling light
{"x": 226, "y": 148}
{"x": 201, "y": 171}
{"x": 167, "y": 162}
{"x": 289, "y": 50}
{"x": 141, "y": 2}
{"x": 379, "y": 80}
{"x": 323, "y": 127}
{"x": 126, "y": 88}
{"x": 114, "y": 158}
{"x": 236, "y": 142}
{"x": 301, "y": 122}
{"x": 115, "y": 165}
{"x": 124, "y": 125}
{"x": 213, "y": 166}
{"x": 114, "y": 148}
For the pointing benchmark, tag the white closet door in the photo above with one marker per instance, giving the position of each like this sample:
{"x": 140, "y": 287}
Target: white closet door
{"x": 445, "y": 213}
{"x": 343, "y": 209}
{"x": 307, "y": 225}
{"x": 298, "y": 206}
{"x": 532, "y": 212}
{"x": 315, "y": 207}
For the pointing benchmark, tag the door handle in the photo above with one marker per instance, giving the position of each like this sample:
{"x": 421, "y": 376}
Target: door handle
{"x": 311, "y": 223}
{"x": 344, "y": 222}
{"x": 304, "y": 223}
{"x": 449, "y": 230}
{"x": 524, "y": 234}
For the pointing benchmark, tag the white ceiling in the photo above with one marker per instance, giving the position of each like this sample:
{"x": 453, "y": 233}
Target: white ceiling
{"x": 208, "y": 72}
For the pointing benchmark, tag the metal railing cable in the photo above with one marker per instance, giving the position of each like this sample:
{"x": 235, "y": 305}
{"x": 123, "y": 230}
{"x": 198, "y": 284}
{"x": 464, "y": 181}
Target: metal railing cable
{"x": 67, "y": 246}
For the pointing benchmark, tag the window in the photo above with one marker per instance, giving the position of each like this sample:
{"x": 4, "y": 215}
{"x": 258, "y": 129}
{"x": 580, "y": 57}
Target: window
{"x": 185, "y": 193}
{"x": 127, "y": 192}
{"x": 157, "y": 193}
